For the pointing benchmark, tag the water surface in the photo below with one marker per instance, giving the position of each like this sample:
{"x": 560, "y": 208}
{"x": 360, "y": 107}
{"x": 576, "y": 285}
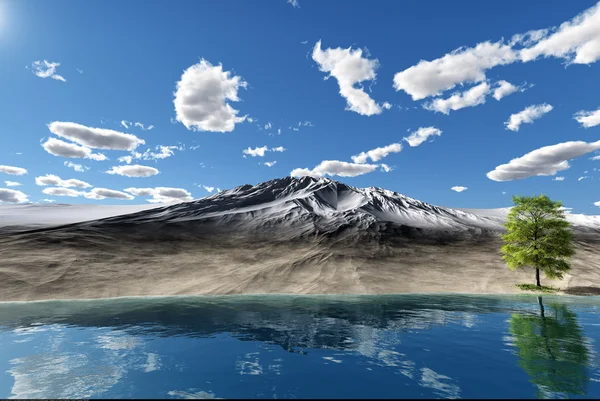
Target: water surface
{"x": 419, "y": 346}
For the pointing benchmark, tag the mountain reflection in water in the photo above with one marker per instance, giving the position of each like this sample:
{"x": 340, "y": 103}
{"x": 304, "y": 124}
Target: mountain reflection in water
{"x": 440, "y": 346}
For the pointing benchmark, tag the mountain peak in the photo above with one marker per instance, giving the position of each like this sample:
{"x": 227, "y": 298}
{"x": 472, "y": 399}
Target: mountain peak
{"x": 307, "y": 205}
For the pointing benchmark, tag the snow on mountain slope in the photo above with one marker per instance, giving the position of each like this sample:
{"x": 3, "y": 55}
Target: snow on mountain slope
{"x": 305, "y": 204}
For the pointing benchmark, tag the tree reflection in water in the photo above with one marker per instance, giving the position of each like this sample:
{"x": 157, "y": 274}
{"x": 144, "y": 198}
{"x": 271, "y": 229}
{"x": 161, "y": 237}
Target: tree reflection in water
{"x": 552, "y": 350}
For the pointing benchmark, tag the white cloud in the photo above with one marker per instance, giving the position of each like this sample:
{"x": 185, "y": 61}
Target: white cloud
{"x": 128, "y": 124}
{"x": 60, "y": 191}
{"x": 142, "y": 126}
{"x": 294, "y": 3}
{"x": 208, "y": 189}
{"x": 527, "y": 115}
{"x": 350, "y": 69}
{"x": 582, "y": 178}
{"x": 50, "y": 179}
{"x": 463, "y": 65}
{"x": 421, "y": 135}
{"x": 103, "y": 193}
{"x": 140, "y": 191}
{"x": 377, "y": 153}
{"x": 256, "y": 151}
{"x": 134, "y": 170}
{"x": 385, "y": 168}
{"x": 126, "y": 159}
{"x": 12, "y": 196}
{"x": 529, "y": 38}
{"x": 504, "y": 89}
{"x": 12, "y": 183}
{"x": 260, "y": 151}
{"x": 163, "y": 153}
{"x": 459, "y": 188}
{"x": 12, "y": 170}
{"x": 558, "y": 179}
{"x": 46, "y": 69}
{"x": 459, "y": 100}
{"x": 544, "y": 161}
{"x": 335, "y": 167}
{"x": 386, "y": 105}
{"x": 99, "y": 138}
{"x": 162, "y": 194}
{"x": 57, "y": 147}
{"x": 95, "y": 193}
{"x": 79, "y": 70}
{"x": 270, "y": 164}
{"x": 77, "y": 167}
{"x": 588, "y": 119}
{"x": 129, "y": 158}
{"x": 268, "y": 126}
{"x": 48, "y": 200}
{"x": 577, "y": 40}
{"x": 301, "y": 172}
{"x": 201, "y": 98}
{"x": 597, "y": 203}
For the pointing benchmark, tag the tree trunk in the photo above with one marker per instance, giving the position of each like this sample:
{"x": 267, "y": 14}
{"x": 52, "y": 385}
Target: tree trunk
{"x": 537, "y": 277}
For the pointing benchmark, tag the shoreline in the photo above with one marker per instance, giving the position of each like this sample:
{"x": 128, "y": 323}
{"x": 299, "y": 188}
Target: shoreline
{"x": 290, "y": 295}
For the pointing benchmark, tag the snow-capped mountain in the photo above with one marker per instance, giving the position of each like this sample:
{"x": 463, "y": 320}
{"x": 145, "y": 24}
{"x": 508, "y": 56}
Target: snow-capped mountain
{"x": 305, "y": 206}
{"x": 299, "y": 206}
{"x": 310, "y": 206}
{"x": 289, "y": 235}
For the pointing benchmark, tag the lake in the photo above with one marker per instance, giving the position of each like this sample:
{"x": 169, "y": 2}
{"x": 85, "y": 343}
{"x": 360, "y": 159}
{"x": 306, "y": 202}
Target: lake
{"x": 272, "y": 346}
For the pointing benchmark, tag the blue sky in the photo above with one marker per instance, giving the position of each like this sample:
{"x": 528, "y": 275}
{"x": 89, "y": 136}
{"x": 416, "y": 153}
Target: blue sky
{"x": 125, "y": 60}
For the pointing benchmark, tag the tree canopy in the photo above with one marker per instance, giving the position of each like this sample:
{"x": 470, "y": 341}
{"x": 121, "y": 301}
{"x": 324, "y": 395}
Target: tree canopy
{"x": 539, "y": 236}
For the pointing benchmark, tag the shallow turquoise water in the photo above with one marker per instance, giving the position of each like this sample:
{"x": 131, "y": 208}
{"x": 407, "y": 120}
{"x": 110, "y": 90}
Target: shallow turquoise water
{"x": 419, "y": 346}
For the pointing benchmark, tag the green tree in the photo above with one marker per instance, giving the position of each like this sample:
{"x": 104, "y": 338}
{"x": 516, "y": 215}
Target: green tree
{"x": 538, "y": 236}
{"x": 552, "y": 350}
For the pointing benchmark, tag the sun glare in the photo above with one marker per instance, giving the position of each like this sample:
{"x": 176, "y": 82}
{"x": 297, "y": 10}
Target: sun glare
{"x": 2, "y": 18}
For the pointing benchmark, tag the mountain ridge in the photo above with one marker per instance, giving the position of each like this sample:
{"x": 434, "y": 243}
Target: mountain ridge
{"x": 320, "y": 196}
{"x": 291, "y": 200}
{"x": 290, "y": 236}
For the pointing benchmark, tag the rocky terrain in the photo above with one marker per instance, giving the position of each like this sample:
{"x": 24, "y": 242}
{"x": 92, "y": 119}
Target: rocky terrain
{"x": 290, "y": 235}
